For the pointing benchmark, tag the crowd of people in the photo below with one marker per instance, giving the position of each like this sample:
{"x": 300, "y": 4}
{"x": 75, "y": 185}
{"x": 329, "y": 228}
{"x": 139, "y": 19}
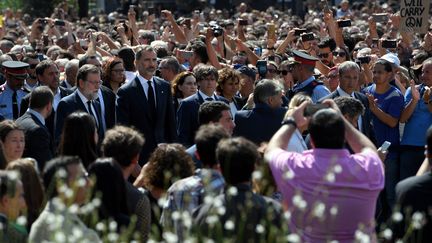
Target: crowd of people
{"x": 244, "y": 126}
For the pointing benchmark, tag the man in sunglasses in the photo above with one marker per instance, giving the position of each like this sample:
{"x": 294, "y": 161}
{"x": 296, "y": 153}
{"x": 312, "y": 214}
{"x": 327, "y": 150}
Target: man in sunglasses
{"x": 31, "y": 82}
{"x": 302, "y": 69}
{"x": 326, "y": 48}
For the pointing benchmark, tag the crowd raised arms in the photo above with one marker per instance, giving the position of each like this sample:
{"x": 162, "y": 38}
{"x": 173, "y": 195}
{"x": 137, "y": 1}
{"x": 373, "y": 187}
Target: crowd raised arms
{"x": 201, "y": 123}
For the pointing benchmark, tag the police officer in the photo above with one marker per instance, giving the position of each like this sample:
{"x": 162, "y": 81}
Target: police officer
{"x": 302, "y": 70}
{"x": 12, "y": 91}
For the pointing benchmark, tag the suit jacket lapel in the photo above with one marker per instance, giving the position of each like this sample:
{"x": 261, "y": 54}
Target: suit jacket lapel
{"x": 142, "y": 97}
{"x": 81, "y": 105}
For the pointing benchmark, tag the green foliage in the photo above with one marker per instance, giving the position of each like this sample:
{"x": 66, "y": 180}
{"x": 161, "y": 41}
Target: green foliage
{"x": 13, "y": 4}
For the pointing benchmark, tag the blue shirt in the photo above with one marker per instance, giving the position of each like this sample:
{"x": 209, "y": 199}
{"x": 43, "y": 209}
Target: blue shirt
{"x": 418, "y": 123}
{"x": 392, "y": 103}
{"x": 320, "y": 91}
{"x": 6, "y": 100}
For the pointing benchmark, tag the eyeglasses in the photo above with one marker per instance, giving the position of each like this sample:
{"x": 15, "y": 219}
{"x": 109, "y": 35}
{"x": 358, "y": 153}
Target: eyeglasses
{"x": 95, "y": 82}
{"x": 323, "y": 55}
{"x": 341, "y": 53}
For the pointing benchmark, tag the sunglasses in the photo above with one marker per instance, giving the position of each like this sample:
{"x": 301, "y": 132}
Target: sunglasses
{"x": 272, "y": 71}
{"x": 284, "y": 72}
{"x": 323, "y": 55}
{"x": 341, "y": 54}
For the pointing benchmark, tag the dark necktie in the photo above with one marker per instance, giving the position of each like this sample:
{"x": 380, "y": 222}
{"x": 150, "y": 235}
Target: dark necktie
{"x": 89, "y": 107}
{"x": 14, "y": 105}
{"x": 151, "y": 100}
{"x": 209, "y": 99}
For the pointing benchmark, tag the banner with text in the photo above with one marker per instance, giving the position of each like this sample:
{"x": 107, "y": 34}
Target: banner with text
{"x": 414, "y": 16}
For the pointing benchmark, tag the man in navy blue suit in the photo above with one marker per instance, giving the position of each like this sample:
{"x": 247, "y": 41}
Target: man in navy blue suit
{"x": 187, "y": 114}
{"x": 82, "y": 99}
{"x": 146, "y": 104}
{"x": 349, "y": 74}
{"x": 260, "y": 123}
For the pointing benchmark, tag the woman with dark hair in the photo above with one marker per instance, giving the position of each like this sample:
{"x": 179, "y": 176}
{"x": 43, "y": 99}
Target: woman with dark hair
{"x": 113, "y": 74}
{"x": 340, "y": 55}
{"x": 111, "y": 185}
{"x": 79, "y": 137}
{"x": 167, "y": 164}
{"x": 228, "y": 85}
{"x": 12, "y": 142}
{"x": 34, "y": 194}
{"x": 183, "y": 86}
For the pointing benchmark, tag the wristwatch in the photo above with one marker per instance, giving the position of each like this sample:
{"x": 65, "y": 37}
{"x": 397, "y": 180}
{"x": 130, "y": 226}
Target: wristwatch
{"x": 289, "y": 121}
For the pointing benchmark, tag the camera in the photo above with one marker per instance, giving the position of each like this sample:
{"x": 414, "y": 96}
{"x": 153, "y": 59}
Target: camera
{"x": 390, "y": 44}
{"x": 217, "y": 30}
{"x": 262, "y": 67}
{"x": 307, "y": 37}
{"x": 344, "y": 23}
{"x": 364, "y": 60}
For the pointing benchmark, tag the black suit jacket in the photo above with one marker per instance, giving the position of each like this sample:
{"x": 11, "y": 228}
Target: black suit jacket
{"x": 258, "y": 124}
{"x": 187, "y": 118}
{"x": 109, "y": 99}
{"x": 367, "y": 127}
{"x": 132, "y": 110}
{"x": 39, "y": 143}
{"x": 49, "y": 121}
{"x": 68, "y": 105}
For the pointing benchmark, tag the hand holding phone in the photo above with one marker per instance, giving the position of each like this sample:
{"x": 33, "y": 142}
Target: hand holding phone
{"x": 385, "y": 146}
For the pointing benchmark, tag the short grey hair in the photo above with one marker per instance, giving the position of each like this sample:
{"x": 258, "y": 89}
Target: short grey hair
{"x": 347, "y": 66}
{"x": 172, "y": 64}
{"x": 265, "y": 89}
{"x": 142, "y": 49}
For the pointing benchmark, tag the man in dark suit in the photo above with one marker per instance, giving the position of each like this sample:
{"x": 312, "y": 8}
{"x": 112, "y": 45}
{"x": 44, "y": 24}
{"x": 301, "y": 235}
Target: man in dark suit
{"x": 38, "y": 139}
{"x": 349, "y": 74}
{"x": 187, "y": 114}
{"x": 105, "y": 98}
{"x": 82, "y": 99}
{"x": 146, "y": 103}
{"x": 260, "y": 123}
{"x": 47, "y": 74}
{"x": 71, "y": 70}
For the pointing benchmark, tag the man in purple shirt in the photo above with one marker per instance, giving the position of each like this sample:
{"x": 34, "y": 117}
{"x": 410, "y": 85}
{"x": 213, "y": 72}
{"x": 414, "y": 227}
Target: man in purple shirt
{"x": 329, "y": 193}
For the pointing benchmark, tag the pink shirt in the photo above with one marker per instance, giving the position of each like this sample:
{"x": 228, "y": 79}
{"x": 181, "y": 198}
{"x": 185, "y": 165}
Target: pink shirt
{"x": 329, "y": 192}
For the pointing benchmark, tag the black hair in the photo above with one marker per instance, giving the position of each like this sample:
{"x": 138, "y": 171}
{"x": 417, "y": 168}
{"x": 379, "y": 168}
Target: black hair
{"x": 211, "y": 111}
{"x": 206, "y": 140}
{"x": 327, "y": 129}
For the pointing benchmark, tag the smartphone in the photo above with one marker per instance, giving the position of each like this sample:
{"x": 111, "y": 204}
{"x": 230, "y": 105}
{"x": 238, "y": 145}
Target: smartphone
{"x": 59, "y": 22}
{"x": 389, "y": 44}
{"x": 271, "y": 31}
{"x": 344, "y": 23}
{"x": 385, "y": 146}
{"x": 311, "y": 109}
{"x": 298, "y": 32}
{"x": 307, "y": 37}
{"x": 243, "y": 22}
{"x": 1, "y": 20}
{"x": 83, "y": 43}
{"x": 380, "y": 17}
{"x": 262, "y": 67}
{"x": 186, "y": 54}
{"x": 364, "y": 60}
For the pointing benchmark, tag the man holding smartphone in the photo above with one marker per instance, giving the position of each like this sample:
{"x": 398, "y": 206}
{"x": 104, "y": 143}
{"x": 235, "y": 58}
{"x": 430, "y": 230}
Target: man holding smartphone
{"x": 302, "y": 69}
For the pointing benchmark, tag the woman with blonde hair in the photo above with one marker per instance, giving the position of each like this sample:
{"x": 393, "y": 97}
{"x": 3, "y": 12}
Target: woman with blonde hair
{"x": 297, "y": 143}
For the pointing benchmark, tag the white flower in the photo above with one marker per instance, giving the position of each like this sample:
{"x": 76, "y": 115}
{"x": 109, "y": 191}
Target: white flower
{"x": 232, "y": 191}
{"x": 319, "y": 210}
{"x": 288, "y": 175}
{"x": 59, "y": 236}
{"x": 334, "y": 210}
{"x": 170, "y": 237}
{"x": 82, "y": 182}
{"x": 287, "y": 215}
{"x": 96, "y": 202}
{"x": 77, "y": 232}
{"x": 299, "y": 202}
{"x": 257, "y": 175}
{"x": 208, "y": 199}
{"x": 21, "y": 220}
{"x": 361, "y": 237}
{"x": 221, "y": 210}
{"x": 387, "y": 234}
{"x": 259, "y": 229}
{"x": 211, "y": 220}
{"x": 73, "y": 209}
{"x": 337, "y": 169}
{"x": 100, "y": 226}
{"x": 161, "y": 201}
{"x": 113, "y": 226}
{"x": 229, "y": 225}
{"x": 113, "y": 237}
{"x": 397, "y": 217}
{"x": 330, "y": 177}
{"x": 293, "y": 238}
{"x": 175, "y": 215}
{"x": 417, "y": 220}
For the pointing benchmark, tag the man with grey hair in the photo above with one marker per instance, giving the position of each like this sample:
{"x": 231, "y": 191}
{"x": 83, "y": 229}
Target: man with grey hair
{"x": 267, "y": 114}
{"x": 187, "y": 114}
{"x": 169, "y": 67}
{"x": 71, "y": 71}
{"x": 349, "y": 74}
